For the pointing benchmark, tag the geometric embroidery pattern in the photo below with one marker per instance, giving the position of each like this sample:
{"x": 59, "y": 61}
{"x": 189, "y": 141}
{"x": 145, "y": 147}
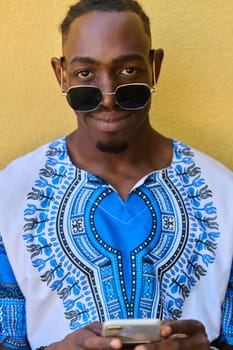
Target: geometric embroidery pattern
{"x": 168, "y": 225}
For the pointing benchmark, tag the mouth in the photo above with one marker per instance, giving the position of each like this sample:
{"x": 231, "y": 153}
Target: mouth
{"x": 111, "y": 122}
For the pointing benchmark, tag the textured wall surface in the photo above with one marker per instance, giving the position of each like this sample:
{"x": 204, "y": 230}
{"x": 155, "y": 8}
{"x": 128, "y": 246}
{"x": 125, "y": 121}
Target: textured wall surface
{"x": 194, "y": 101}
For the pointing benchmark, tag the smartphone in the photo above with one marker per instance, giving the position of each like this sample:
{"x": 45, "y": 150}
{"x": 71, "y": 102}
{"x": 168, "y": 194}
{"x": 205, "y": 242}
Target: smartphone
{"x": 133, "y": 331}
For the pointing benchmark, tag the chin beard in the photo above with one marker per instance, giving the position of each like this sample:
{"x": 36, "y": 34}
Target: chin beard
{"x": 111, "y": 147}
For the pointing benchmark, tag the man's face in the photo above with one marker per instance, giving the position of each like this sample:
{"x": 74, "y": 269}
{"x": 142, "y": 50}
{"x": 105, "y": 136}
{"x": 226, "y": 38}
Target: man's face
{"x": 106, "y": 50}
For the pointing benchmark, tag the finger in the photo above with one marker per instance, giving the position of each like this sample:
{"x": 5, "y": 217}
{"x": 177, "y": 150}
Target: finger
{"x": 104, "y": 343}
{"x": 176, "y": 343}
{"x": 89, "y": 338}
{"x": 166, "y": 330}
{"x": 197, "y": 341}
{"x": 95, "y": 327}
{"x": 151, "y": 346}
{"x": 187, "y": 327}
{"x": 166, "y": 344}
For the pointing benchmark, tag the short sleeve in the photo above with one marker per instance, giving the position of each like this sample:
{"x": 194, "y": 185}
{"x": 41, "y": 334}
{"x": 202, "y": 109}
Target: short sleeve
{"x": 227, "y": 313}
{"x": 12, "y": 307}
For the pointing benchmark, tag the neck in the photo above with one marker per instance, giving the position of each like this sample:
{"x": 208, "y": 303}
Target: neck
{"x": 151, "y": 148}
{"x": 124, "y": 169}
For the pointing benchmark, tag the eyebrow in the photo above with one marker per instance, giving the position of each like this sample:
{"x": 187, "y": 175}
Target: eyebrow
{"x": 129, "y": 57}
{"x": 117, "y": 60}
{"x": 84, "y": 60}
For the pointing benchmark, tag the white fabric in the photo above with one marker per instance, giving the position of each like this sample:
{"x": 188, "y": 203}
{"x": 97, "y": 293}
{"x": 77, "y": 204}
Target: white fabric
{"x": 45, "y": 312}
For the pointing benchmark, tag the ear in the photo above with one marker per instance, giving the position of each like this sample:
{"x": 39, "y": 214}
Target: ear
{"x": 156, "y": 58}
{"x": 57, "y": 65}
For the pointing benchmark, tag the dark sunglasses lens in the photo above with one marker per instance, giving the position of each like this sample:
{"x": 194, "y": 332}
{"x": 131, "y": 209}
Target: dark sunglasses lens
{"x": 84, "y": 98}
{"x": 133, "y": 96}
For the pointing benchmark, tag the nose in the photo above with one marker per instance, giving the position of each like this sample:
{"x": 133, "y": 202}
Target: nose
{"x": 108, "y": 100}
{"x": 107, "y": 86}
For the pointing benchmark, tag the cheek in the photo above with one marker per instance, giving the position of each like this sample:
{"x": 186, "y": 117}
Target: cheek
{"x": 83, "y": 120}
{"x": 71, "y": 79}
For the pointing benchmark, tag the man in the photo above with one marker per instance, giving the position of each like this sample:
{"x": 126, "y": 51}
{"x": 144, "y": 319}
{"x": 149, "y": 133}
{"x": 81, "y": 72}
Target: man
{"x": 115, "y": 220}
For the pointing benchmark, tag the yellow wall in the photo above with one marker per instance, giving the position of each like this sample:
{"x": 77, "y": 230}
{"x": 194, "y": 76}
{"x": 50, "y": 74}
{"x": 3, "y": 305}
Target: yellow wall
{"x": 195, "y": 92}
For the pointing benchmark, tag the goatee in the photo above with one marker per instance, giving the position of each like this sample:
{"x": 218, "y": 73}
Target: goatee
{"x": 111, "y": 147}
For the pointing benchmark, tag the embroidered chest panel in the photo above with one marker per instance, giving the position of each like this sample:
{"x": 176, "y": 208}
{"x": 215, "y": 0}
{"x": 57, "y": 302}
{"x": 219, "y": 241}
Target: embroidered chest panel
{"x": 107, "y": 258}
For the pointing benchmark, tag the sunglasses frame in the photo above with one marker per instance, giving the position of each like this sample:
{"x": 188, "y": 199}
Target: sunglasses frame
{"x": 109, "y": 94}
{"x": 152, "y": 88}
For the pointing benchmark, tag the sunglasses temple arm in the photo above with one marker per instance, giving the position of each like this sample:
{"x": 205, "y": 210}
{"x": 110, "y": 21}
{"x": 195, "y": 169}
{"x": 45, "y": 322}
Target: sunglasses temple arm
{"x": 153, "y": 88}
{"x": 63, "y": 92}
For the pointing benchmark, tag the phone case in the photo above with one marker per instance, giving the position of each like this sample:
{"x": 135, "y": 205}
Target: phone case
{"x": 133, "y": 331}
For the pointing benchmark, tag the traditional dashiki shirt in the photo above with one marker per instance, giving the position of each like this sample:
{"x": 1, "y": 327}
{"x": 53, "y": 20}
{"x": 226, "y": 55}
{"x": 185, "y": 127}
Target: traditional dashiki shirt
{"x": 79, "y": 253}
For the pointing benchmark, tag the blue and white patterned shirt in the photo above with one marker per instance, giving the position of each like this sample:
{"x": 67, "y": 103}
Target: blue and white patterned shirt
{"x": 79, "y": 253}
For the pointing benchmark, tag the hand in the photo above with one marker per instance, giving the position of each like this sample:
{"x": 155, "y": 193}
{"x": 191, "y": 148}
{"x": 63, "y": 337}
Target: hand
{"x": 175, "y": 335}
{"x": 180, "y": 335}
{"x": 86, "y": 338}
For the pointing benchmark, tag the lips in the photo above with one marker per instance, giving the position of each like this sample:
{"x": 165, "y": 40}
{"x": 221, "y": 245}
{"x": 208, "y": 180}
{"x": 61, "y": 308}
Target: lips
{"x": 111, "y": 122}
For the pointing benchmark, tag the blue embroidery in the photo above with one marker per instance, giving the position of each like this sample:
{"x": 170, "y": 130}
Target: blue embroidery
{"x": 12, "y": 309}
{"x": 227, "y": 312}
{"x": 75, "y": 225}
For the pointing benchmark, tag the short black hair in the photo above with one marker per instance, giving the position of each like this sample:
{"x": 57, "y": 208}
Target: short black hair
{"x": 85, "y": 6}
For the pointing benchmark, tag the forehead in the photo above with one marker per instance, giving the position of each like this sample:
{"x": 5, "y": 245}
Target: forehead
{"x": 106, "y": 34}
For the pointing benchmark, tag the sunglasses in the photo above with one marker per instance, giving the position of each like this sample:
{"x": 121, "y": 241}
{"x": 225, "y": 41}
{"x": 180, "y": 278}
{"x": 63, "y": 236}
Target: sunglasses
{"x": 87, "y": 98}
